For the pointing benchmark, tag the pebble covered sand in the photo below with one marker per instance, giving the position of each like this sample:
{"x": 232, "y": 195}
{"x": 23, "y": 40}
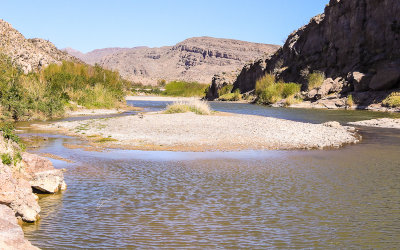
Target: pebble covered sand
{"x": 221, "y": 131}
{"x": 380, "y": 123}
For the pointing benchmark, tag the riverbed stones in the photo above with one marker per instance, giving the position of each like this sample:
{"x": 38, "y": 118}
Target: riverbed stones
{"x": 11, "y": 234}
{"x": 42, "y": 175}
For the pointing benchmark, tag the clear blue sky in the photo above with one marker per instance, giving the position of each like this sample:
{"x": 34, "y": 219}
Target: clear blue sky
{"x": 91, "y": 24}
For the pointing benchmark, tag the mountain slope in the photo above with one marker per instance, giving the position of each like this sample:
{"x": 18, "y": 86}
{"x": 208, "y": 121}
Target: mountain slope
{"x": 29, "y": 54}
{"x": 195, "y": 59}
{"x": 354, "y": 43}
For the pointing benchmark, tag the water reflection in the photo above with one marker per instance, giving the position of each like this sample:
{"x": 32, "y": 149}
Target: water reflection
{"x": 343, "y": 198}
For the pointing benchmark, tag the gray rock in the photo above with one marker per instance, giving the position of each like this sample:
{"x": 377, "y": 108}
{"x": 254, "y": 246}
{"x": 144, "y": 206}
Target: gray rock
{"x": 385, "y": 79}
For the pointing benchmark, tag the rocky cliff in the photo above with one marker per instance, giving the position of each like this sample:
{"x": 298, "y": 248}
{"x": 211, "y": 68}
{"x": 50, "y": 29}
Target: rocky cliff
{"x": 354, "y": 42}
{"x": 195, "y": 59}
{"x": 29, "y": 54}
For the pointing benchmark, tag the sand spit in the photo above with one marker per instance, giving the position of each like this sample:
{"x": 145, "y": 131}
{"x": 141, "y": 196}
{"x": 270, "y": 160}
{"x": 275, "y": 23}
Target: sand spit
{"x": 191, "y": 132}
{"x": 380, "y": 123}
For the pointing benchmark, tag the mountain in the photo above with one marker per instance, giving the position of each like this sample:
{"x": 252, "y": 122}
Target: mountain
{"x": 29, "y": 54}
{"x": 356, "y": 44}
{"x": 194, "y": 59}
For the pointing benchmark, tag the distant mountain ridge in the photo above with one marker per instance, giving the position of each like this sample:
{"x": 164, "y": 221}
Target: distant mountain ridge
{"x": 29, "y": 54}
{"x": 194, "y": 59}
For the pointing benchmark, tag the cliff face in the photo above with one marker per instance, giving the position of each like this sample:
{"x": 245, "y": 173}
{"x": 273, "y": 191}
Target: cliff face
{"x": 195, "y": 59}
{"x": 29, "y": 54}
{"x": 356, "y": 41}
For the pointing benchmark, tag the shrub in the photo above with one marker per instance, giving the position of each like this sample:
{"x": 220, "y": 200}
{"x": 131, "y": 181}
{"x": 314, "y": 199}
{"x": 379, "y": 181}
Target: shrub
{"x": 269, "y": 91}
{"x": 349, "y": 101}
{"x": 235, "y": 96}
{"x": 186, "y": 89}
{"x": 8, "y": 132}
{"x": 292, "y": 99}
{"x": 6, "y": 159}
{"x": 393, "y": 100}
{"x": 46, "y": 94}
{"x": 315, "y": 79}
{"x": 196, "y": 106}
{"x": 225, "y": 90}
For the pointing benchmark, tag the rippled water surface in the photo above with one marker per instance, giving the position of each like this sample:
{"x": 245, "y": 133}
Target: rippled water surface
{"x": 345, "y": 198}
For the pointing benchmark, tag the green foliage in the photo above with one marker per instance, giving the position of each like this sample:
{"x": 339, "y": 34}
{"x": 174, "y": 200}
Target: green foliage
{"x": 235, "y": 96}
{"x": 17, "y": 158}
{"x": 45, "y": 94}
{"x": 146, "y": 89}
{"x": 6, "y": 159}
{"x": 106, "y": 139}
{"x": 225, "y": 90}
{"x": 268, "y": 90}
{"x": 186, "y": 89}
{"x": 315, "y": 79}
{"x": 7, "y": 130}
{"x": 393, "y": 100}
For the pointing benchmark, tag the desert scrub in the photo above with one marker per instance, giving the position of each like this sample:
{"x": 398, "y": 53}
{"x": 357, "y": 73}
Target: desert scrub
{"x": 186, "y": 89}
{"x": 292, "y": 99}
{"x": 195, "y": 106}
{"x": 349, "y": 101}
{"x": 235, "y": 96}
{"x": 106, "y": 139}
{"x": 315, "y": 79}
{"x": 47, "y": 93}
{"x": 269, "y": 91}
{"x": 393, "y": 100}
{"x": 227, "y": 89}
{"x": 6, "y": 159}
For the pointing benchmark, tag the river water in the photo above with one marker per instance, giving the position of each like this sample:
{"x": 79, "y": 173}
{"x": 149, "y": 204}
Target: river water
{"x": 342, "y": 198}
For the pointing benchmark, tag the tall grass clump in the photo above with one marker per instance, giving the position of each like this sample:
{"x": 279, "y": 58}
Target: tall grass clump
{"x": 46, "y": 93}
{"x": 393, "y": 100}
{"x": 185, "y": 89}
{"x": 269, "y": 91}
{"x": 315, "y": 79}
{"x": 235, "y": 96}
{"x": 196, "y": 106}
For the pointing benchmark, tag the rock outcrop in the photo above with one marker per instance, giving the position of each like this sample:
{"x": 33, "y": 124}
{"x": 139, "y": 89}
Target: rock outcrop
{"x": 195, "y": 59}
{"x": 29, "y": 54}
{"x": 11, "y": 234}
{"x": 20, "y": 175}
{"x": 354, "y": 43}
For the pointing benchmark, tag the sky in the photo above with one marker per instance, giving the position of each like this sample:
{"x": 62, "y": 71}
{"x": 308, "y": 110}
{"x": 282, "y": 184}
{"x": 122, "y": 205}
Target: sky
{"x": 86, "y": 25}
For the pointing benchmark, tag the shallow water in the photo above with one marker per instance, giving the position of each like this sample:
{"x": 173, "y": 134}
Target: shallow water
{"x": 344, "y": 198}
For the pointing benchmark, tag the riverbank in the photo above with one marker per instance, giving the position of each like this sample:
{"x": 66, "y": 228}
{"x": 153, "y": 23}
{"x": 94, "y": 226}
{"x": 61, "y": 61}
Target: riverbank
{"x": 159, "y": 98}
{"x": 21, "y": 176}
{"x": 219, "y": 131}
{"x": 379, "y": 123}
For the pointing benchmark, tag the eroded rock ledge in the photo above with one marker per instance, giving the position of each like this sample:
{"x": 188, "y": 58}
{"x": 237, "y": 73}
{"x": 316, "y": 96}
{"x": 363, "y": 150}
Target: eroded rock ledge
{"x": 19, "y": 177}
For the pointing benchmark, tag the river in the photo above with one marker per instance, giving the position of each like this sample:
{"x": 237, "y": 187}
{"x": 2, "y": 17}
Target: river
{"x": 341, "y": 198}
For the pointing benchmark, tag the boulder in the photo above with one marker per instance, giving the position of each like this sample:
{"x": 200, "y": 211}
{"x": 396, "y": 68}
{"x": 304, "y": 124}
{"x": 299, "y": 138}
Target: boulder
{"x": 43, "y": 177}
{"x": 16, "y": 192}
{"x": 11, "y": 234}
{"x": 360, "y": 81}
{"x": 385, "y": 79}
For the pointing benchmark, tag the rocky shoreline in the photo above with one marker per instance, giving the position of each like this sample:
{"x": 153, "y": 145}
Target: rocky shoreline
{"x": 20, "y": 178}
{"x": 220, "y": 131}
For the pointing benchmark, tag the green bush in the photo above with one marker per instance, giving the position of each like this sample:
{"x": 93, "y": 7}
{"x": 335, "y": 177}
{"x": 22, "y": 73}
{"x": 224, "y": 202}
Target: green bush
{"x": 393, "y": 100}
{"x": 315, "y": 79}
{"x": 186, "y": 89}
{"x": 268, "y": 90}
{"x": 235, "y": 96}
{"x": 45, "y": 94}
{"x": 6, "y": 159}
{"x": 225, "y": 90}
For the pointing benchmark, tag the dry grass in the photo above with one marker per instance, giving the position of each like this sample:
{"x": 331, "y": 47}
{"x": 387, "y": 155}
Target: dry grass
{"x": 196, "y": 106}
